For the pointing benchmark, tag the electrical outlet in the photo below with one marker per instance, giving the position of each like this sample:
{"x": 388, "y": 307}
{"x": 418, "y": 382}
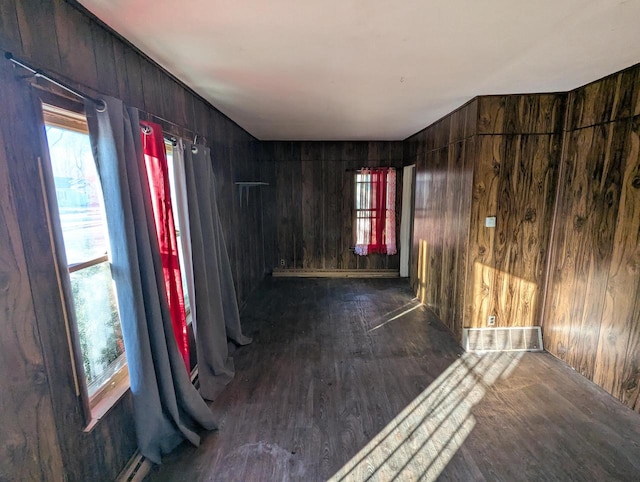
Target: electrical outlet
{"x": 491, "y": 320}
{"x": 282, "y": 263}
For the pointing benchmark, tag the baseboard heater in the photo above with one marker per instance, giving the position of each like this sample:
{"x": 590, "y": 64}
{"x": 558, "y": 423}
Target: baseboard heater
{"x": 518, "y": 338}
{"x": 136, "y": 470}
{"x": 335, "y": 273}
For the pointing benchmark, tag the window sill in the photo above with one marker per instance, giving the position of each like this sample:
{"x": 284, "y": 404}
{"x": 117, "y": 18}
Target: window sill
{"x": 101, "y": 408}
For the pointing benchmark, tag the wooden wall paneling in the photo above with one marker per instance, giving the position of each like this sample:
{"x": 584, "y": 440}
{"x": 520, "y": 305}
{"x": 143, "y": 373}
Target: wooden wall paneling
{"x": 457, "y": 125}
{"x": 626, "y": 94}
{"x": 584, "y": 244}
{"x": 201, "y": 121}
{"x": 534, "y": 186}
{"x": 120, "y": 68}
{"x": 447, "y": 225}
{"x": 617, "y": 363}
{"x": 152, "y": 80}
{"x": 298, "y": 233}
{"x": 630, "y": 383}
{"x": 284, "y": 193}
{"x": 30, "y": 448}
{"x": 507, "y": 235}
{"x": 534, "y": 114}
{"x": 471, "y": 118}
{"x": 455, "y": 227}
{"x": 593, "y": 103}
{"x": 23, "y": 156}
{"x": 313, "y": 205}
{"x": 9, "y": 31}
{"x": 463, "y": 231}
{"x": 75, "y": 43}
{"x": 334, "y": 217}
{"x": 103, "y": 48}
{"x": 353, "y": 154}
{"x": 437, "y": 206}
{"x": 491, "y": 112}
{"x": 269, "y": 204}
{"x": 178, "y": 102}
{"x": 38, "y": 33}
{"x": 480, "y": 276}
{"x": 419, "y": 228}
{"x": 134, "y": 79}
{"x": 515, "y": 291}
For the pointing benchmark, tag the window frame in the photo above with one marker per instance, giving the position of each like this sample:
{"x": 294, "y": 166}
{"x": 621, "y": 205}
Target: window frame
{"x": 369, "y": 213}
{"x": 93, "y": 407}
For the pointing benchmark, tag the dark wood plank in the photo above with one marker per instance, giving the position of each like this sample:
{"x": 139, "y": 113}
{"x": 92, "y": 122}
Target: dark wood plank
{"x": 618, "y": 343}
{"x": 31, "y": 450}
{"x": 38, "y": 33}
{"x": 75, "y": 42}
{"x": 335, "y": 387}
{"x": 134, "y": 79}
{"x": 593, "y": 103}
{"x": 584, "y": 243}
{"x": 103, "y": 48}
{"x": 490, "y": 155}
{"x": 535, "y": 114}
{"x": 9, "y": 30}
{"x": 152, "y": 82}
{"x": 491, "y": 112}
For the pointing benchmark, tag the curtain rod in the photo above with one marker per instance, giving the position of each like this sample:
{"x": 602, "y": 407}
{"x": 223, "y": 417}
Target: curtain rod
{"x": 352, "y": 169}
{"x": 39, "y": 73}
{"x": 99, "y": 102}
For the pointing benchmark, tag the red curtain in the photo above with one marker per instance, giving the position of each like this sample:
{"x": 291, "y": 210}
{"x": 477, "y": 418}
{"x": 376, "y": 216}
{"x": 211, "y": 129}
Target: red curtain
{"x": 155, "y": 158}
{"x": 379, "y": 206}
{"x": 375, "y": 211}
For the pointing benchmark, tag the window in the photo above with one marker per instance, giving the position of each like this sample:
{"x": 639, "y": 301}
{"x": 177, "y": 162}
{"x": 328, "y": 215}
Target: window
{"x": 176, "y": 220}
{"x": 375, "y": 216}
{"x": 93, "y": 306}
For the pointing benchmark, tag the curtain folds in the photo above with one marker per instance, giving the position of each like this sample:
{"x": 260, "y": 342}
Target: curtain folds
{"x": 168, "y": 409}
{"x": 155, "y": 159}
{"x": 375, "y": 211}
{"x": 215, "y": 297}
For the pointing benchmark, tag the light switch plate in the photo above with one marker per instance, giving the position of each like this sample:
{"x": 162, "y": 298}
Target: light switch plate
{"x": 490, "y": 222}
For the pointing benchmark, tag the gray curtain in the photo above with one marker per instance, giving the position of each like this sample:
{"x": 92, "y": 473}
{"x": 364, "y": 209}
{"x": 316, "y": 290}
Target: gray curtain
{"x": 168, "y": 409}
{"x": 216, "y": 305}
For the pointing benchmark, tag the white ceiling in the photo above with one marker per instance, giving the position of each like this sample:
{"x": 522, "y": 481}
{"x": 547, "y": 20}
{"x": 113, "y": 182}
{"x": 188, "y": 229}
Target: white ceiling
{"x": 372, "y": 69}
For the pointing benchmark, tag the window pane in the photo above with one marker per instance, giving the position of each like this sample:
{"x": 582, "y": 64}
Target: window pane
{"x": 98, "y": 323}
{"x": 176, "y": 221}
{"x": 79, "y": 195}
{"x": 85, "y": 236}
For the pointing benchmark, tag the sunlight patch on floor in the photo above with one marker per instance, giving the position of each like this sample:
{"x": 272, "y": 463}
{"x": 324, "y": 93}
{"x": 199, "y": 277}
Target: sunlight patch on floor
{"x": 422, "y": 439}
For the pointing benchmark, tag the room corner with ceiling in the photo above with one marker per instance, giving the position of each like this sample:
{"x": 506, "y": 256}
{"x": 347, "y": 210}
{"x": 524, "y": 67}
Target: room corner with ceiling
{"x": 515, "y": 205}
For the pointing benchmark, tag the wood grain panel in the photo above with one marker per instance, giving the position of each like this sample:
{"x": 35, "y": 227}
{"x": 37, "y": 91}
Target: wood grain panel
{"x": 535, "y": 114}
{"x": 73, "y": 31}
{"x": 491, "y": 112}
{"x": 9, "y": 30}
{"x": 593, "y": 103}
{"x": 480, "y": 278}
{"x": 315, "y": 201}
{"x": 106, "y": 71}
{"x": 134, "y": 80}
{"x": 38, "y": 33}
{"x": 617, "y": 363}
{"x": 586, "y": 230}
{"x": 627, "y": 94}
{"x": 30, "y": 448}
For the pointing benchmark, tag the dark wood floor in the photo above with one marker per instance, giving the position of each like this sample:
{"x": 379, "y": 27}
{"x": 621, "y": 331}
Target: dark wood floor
{"x": 352, "y": 380}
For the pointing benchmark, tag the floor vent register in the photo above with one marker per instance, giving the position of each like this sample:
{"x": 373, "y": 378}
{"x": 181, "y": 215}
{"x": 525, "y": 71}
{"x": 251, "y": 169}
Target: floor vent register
{"x": 521, "y": 338}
